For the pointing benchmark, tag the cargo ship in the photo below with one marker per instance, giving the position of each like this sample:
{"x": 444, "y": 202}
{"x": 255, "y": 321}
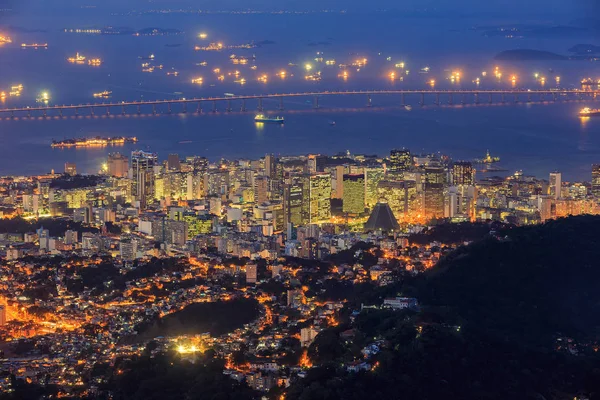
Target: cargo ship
{"x": 488, "y": 159}
{"x": 34, "y": 45}
{"x": 78, "y": 59}
{"x": 106, "y": 93}
{"x": 589, "y": 112}
{"x": 92, "y": 142}
{"x": 264, "y": 119}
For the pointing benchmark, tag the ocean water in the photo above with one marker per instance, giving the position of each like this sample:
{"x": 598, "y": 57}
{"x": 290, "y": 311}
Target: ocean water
{"x": 535, "y": 138}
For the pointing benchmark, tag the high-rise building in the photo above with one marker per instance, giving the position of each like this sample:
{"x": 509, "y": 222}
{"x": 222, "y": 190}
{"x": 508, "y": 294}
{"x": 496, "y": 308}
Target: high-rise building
{"x": 296, "y": 200}
{"x": 400, "y": 161}
{"x": 251, "y": 273}
{"x": 354, "y": 194}
{"x": 320, "y": 198}
{"x": 316, "y": 163}
{"x": 261, "y": 189}
{"x": 128, "y": 248}
{"x": 117, "y": 165}
{"x": 555, "y": 185}
{"x": 70, "y": 169}
{"x": 373, "y": 175}
{"x": 142, "y": 166}
{"x": 433, "y": 191}
{"x": 173, "y": 162}
{"x": 596, "y": 181}
{"x": 463, "y": 173}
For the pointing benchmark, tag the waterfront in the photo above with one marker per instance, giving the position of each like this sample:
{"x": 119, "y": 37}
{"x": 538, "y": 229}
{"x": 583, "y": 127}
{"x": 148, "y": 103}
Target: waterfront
{"x": 535, "y": 138}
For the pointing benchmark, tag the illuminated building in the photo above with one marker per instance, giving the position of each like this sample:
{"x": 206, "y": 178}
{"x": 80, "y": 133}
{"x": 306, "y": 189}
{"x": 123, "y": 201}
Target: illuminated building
{"x": 296, "y": 200}
{"x": 463, "y": 173}
{"x": 373, "y": 176}
{"x": 117, "y": 165}
{"x": 555, "y": 185}
{"x": 460, "y": 202}
{"x": 142, "y": 166}
{"x": 433, "y": 188}
{"x": 596, "y": 181}
{"x": 216, "y": 182}
{"x": 261, "y": 189}
{"x": 251, "y": 273}
{"x": 400, "y": 161}
{"x": 316, "y": 163}
{"x": 295, "y": 298}
{"x": 401, "y": 197}
{"x": 2, "y": 315}
{"x": 70, "y": 169}
{"x": 354, "y": 194}
{"x": 320, "y": 198}
{"x": 128, "y": 248}
{"x": 195, "y": 185}
{"x": 274, "y": 171}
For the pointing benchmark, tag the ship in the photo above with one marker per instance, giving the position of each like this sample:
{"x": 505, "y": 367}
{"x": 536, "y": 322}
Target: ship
{"x": 106, "y": 93}
{"x": 589, "y": 112}
{"x": 34, "y": 45}
{"x": 488, "y": 159}
{"x": 264, "y": 119}
{"x": 91, "y": 142}
{"x": 589, "y": 81}
{"x": 78, "y": 59}
{"x": 150, "y": 57}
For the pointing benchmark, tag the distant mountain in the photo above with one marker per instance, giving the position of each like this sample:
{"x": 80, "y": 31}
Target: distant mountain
{"x": 528, "y": 55}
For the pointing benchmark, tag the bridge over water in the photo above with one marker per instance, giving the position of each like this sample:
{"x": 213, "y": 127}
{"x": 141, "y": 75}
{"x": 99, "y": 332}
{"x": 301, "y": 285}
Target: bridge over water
{"x": 211, "y": 104}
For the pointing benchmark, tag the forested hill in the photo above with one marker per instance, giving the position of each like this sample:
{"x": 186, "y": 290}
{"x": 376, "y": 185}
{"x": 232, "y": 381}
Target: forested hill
{"x": 531, "y": 285}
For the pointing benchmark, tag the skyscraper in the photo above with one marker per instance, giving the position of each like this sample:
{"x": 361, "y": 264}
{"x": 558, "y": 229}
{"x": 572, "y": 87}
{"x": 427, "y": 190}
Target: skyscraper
{"x": 400, "y": 161}
{"x": 118, "y": 165}
{"x": 433, "y": 189}
{"x": 142, "y": 166}
{"x": 354, "y": 194}
{"x": 296, "y": 200}
{"x": 596, "y": 181}
{"x": 463, "y": 173}
{"x": 320, "y": 198}
{"x": 373, "y": 175}
{"x": 555, "y": 185}
{"x": 173, "y": 162}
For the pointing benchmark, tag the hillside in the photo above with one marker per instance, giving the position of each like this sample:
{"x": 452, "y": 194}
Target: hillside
{"x": 537, "y": 283}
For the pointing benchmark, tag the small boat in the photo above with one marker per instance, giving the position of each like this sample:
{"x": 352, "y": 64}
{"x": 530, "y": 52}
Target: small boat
{"x": 331, "y": 123}
{"x": 408, "y": 108}
{"x": 589, "y": 112}
{"x": 264, "y": 119}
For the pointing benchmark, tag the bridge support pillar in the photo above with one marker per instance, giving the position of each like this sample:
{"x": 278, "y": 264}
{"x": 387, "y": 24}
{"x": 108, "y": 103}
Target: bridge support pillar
{"x": 123, "y": 110}
{"x": 451, "y": 99}
{"x": 214, "y": 109}
{"x": 403, "y": 100}
{"x": 529, "y": 97}
{"x": 422, "y": 103}
{"x": 490, "y": 99}
{"x": 437, "y": 99}
{"x": 476, "y": 98}
{"x": 12, "y": 114}
{"x": 228, "y": 105}
{"x": 45, "y": 114}
{"x": 107, "y": 110}
{"x": 260, "y": 106}
{"x": 139, "y": 109}
{"x": 503, "y": 98}
{"x": 29, "y": 113}
{"x": 60, "y": 112}
{"x": 463, "y": 100}
{"x": 199, "y": 109}
{"x": 154, "y": 109}
{"x": 184, "y": 108}
{"x": 243, "y": 109}
{"x": 281, "y": 108}
{"x": 516, "y": 97}
{"x": 91, "y": 110}
{"x": 316, "y": 103}
{"x": 369, "y": 102}
{"x": 169, "y": 108}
